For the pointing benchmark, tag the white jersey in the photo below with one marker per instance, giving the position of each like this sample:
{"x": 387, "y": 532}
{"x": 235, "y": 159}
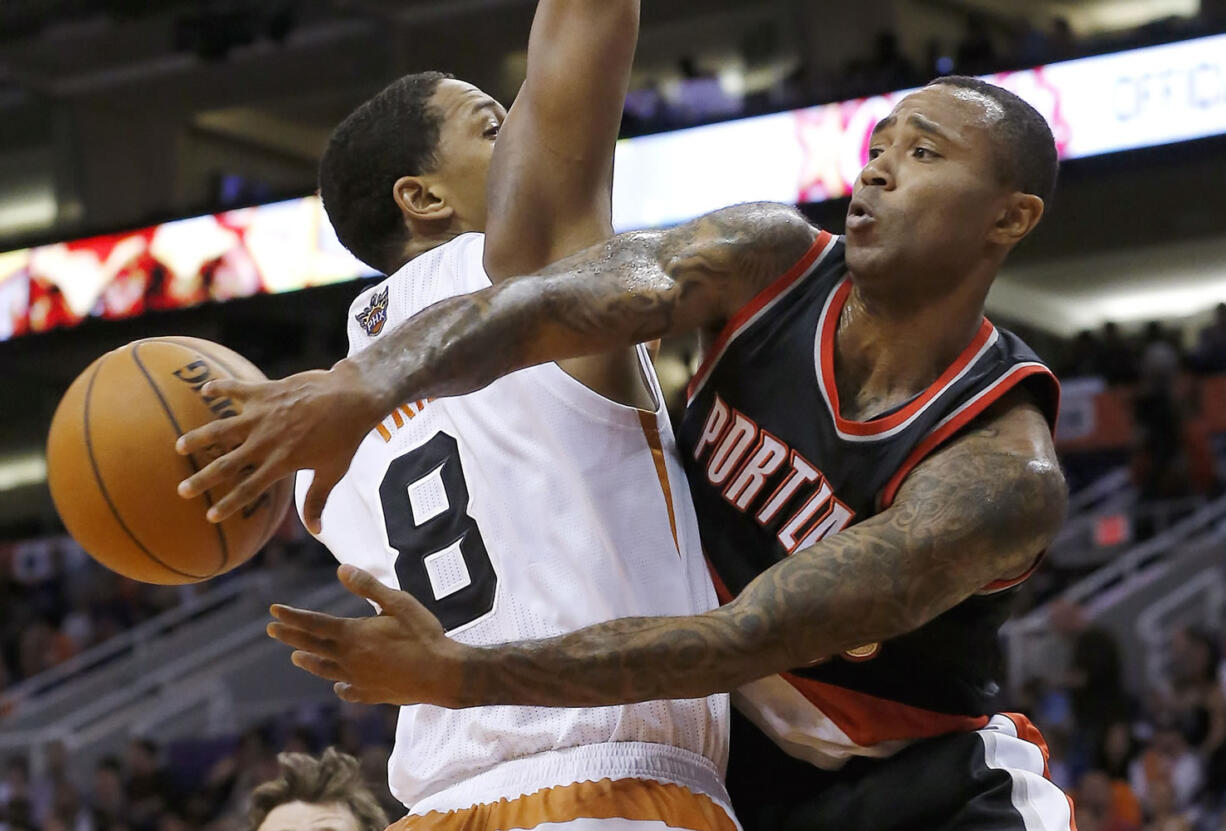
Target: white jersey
{"x": 525, "y": 510}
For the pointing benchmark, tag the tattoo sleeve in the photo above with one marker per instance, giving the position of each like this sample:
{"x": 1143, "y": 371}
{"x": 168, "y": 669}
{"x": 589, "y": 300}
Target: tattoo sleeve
{"x": 977, "y": 511}
{"x": 633, "y": 288}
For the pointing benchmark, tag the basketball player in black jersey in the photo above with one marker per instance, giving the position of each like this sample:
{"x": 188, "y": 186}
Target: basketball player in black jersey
{"x": 870, "y": 458}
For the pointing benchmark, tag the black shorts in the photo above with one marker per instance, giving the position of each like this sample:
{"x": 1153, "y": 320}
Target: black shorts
{"x": 988, "y": 780}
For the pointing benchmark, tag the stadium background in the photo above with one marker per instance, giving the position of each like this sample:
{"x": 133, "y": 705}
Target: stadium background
{"x": 125, "y": 706}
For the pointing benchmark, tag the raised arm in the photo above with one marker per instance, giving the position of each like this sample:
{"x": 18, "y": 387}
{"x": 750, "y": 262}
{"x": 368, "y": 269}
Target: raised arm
{"x": 975, "y": 512}
{"x": 630, "y": 289}
{"x": 550, "y": 183}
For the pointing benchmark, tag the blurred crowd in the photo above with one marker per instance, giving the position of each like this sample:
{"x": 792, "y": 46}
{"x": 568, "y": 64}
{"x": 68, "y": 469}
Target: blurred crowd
{"x": 1171, "y": 456}
{"x": 1158, "y": 351}
{"x": 988, "y": 43}
{"x": 190, "y": 785}
{"x": 1149, "y": 762}
{"x": 56, "y": 601}
{"x": 1153, "y": 762}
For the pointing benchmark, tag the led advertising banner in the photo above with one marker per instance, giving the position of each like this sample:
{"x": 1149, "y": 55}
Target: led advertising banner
{"x": 271, "y": 248}
{"x": 1140, "y": 98}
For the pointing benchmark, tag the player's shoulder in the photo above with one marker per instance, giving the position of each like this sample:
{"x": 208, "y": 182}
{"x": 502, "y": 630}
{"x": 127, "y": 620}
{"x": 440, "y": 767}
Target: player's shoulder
{"x": 454, "y": 267}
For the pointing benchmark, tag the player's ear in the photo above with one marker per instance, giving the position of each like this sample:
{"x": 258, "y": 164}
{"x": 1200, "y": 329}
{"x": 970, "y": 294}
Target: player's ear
{"x": 421, "y": 201}
{"x": 1018, "y": 218}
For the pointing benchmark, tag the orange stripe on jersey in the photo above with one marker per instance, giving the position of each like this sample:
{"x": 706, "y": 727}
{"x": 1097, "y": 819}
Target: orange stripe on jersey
{"x": 868, "y": 720}
{"x": 384, "y": 432}
{"x": 651, "y": 430}
{"x": 628, "y": 799}
{"x": 397, "y": 419}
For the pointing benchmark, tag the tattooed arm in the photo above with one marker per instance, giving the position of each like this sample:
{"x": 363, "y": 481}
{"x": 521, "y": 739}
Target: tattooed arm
{"x": 977, "y": 511}
{"x": 633, "y": 288}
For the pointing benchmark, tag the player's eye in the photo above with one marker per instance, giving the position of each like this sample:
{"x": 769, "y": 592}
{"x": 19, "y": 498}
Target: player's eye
{"x": 925, "y": 153}
{"x": 874, "y": 152}
{"x": 492, "y": 132}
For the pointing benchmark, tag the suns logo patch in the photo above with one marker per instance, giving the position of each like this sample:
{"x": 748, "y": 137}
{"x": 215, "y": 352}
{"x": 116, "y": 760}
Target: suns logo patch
{"x": 374, "y": 316}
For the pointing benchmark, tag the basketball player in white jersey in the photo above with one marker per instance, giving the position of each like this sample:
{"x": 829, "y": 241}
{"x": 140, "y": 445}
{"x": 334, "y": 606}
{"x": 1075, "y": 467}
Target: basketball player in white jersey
{"x": 550, "y": 500}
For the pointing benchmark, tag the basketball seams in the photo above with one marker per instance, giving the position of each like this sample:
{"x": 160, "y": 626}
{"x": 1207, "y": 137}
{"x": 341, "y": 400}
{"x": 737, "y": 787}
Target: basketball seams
{"x": 174, "y": 422}
{"x": 102, "y": 489}
{"x": 180, "y": 341}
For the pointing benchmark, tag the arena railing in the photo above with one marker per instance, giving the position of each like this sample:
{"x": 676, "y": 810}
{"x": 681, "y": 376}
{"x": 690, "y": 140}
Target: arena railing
{"x": 1033, "y": 645}
{"x": 200, "y": 691}
{"x": 111, "y": 664}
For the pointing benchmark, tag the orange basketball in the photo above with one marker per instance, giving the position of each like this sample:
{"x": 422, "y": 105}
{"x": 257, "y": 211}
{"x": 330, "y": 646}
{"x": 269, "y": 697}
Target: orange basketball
{"x": 113, "y": 469}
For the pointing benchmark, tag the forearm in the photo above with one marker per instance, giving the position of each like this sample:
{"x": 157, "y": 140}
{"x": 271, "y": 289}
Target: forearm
{"x": 612, "y": 295}
{"x": 632, "y": 288}
{"x": 805, "y": 608}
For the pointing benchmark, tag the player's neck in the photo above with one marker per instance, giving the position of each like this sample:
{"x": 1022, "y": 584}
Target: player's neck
{"x": 426, "y": 238}
{"x": 889, "y": 350}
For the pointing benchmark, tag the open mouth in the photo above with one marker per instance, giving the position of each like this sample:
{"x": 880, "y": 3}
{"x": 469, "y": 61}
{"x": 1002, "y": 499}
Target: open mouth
{"x": 859, "y": 215}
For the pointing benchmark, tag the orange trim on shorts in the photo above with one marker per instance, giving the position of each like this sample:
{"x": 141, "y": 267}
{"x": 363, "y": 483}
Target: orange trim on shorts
{"x": 651, "y": 430}
{"x": 628, "y": 799}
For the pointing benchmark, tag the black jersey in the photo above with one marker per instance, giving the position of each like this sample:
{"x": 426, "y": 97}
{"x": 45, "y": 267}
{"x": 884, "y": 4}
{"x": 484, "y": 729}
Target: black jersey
{"x": 774, "y": 468}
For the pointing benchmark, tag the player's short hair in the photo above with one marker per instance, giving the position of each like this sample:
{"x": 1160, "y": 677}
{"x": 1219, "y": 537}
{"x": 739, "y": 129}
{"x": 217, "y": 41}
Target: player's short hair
{"x": 334, "y": 778}
{"x": 1026, "y": 154}
{"x": 394, "y": 134}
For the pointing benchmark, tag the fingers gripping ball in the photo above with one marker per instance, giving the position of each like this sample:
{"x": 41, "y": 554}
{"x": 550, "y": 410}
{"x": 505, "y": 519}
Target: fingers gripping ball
{"x": 113, "y": 469}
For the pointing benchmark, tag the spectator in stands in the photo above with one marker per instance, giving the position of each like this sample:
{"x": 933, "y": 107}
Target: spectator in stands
{"x": 701, "y": 96}
{"x": 976, "y": 54}
{"x": 1197, "y": 702}
{"x": 1210, "y": 355}
{"x": 374, "y": 760}
{"x": 885, "y": 70}
{"x": 1167, "y": 762}
{"x": 15, "y": 808}
{"x": 107, "y": 802}
{"x": 1118, "y": 749}
{"x": 325, "y": 790}
{"x": 45, "y": 788}
{"x": 1161, "y": 466}
{"x": 1083, "y": 357}
{"x": 300, "y": 740}
{"x": 1104, "y": 805}
{"x": 1097, "y": 684}
{"x": 1163, "y": 811}
{"x": 233, "y": 778}
{"x": 1118, "y": 358}
{"x": 1062, "y": 44}
{"x": 1213, "y": 15}
{"x": 147, "y": 789}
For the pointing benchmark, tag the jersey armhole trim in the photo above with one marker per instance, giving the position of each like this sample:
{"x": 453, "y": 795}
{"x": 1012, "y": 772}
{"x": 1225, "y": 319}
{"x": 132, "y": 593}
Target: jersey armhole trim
{"x": 761, "y": 302}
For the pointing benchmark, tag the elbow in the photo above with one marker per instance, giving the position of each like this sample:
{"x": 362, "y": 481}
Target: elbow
{"x": 1046, "y": 481}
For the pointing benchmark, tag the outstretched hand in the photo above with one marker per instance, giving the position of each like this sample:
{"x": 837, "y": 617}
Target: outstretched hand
{"x": 313, "y": 420}
{"x": 400, "y": 656}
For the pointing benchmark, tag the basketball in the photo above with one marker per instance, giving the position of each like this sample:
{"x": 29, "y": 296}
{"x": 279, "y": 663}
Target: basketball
{"x": 113, "y": 469}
